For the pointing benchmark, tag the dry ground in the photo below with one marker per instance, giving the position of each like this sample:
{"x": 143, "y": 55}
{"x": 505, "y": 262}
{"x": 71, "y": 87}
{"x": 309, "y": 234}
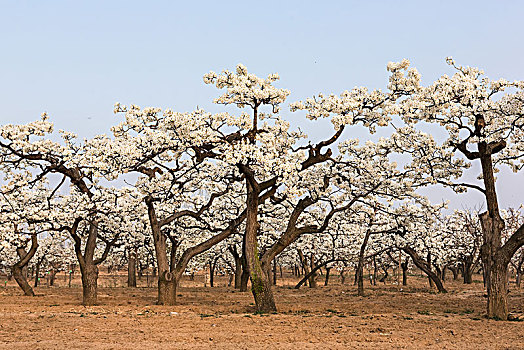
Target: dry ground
{"x": 220, "y": 318}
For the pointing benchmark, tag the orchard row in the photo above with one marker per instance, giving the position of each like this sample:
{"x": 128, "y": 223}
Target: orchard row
{"x": 176, "y": 191}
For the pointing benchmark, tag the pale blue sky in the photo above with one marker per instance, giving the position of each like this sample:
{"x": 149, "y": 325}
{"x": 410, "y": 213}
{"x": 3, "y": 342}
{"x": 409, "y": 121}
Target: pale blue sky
{"x": 75, "y": 59}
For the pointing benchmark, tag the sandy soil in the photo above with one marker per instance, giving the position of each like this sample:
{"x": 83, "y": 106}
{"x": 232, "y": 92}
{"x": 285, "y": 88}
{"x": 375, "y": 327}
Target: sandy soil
{"x": 331, "y": 317}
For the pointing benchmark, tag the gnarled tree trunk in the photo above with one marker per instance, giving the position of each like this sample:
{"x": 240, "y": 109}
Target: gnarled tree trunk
{"x": 260, "y": 285}
{"x": 17, "y": 269}
{"x": 22, "y": 280}
{"x": 494, "y": 266}
{"x": 426, "y": 267}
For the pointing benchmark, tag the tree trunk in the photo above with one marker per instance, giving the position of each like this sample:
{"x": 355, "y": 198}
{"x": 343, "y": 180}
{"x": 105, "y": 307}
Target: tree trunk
{"x": 244, "y": 279}
{"x": 238, "y": 266}
{"x": 326, "y": 281}
{"x": 260, "y": 285}
{"x": 37, "y": 271}
{"x": 238, "y": 273}
{"x": 52, "y": 277}
{"x": 211, "y": 274}
{"x": 374, "y": 271}
{"x": 494, "y": 266}
{"x": 303, "y": 262}
{"x": 385, "y": 277}
{"x": 360, "y": 265}
{"x": 404, "y": 266}
{"x": 140, "y": 272}
{"x": 468, "y": 272}
{"x": 274, "y": 272}
{"x": 313, "y": 278}
{"x": 167, "y": 286}
{"x": 89, "y": 284}
{"x": 342, "y": 276}
{"x": 166, "y": 281}
{"x": 131, "y": 270}
{"x": 312, "y": 272}
{"x": 19, "y": 269}
{"x": 430, "y": 280}
{"x": 425, "y": 266}
{"x": 18, "y": 274}
{"x": 454, "y": 270}
{"x": 360, "y": 280}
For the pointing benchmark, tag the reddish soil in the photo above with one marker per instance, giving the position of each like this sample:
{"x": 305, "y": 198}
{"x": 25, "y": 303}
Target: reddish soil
{"x": 329, "y": 317}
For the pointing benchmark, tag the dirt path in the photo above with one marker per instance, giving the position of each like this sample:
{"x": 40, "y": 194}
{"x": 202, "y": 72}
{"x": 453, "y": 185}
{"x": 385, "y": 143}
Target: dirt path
{"x": 324, "y": 318}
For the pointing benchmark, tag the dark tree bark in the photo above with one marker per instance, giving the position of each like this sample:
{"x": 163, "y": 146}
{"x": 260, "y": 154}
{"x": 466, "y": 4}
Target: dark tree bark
{"x": 313, "y": 271}
{"x": 238, "y": 266}
{"x": 170, "y": 270}
{"x": 428, "y": 260}
{"x": 360, "y": 265}
{"x": 326, "y": 281}
{"x": 454, "y": 270}
{"x": 404, "y": 265}
{"x": 468, "y": 271}
{"x": 131, "y": 269}
{"x": 212, "y": 267}
{"x": 385, "y": 277}
{"x": 37, "y": 271}
{"x": 89, "y": 273}
{"x": 495, "y": 256}
{"x": 260, "y": 285}
{"x": 303, "y": 262}
{"x": 426, "y": 267}
{"x": 274, "y": 272}
{"x": 18, "y": 268}
{"x": 244, "y": 278}
{"x": 86, "y": 259}
{"x": 374, "y": 270}
{"x": 52, "y": 276}
{"x": 494, "y": 266}
{"x": 518, "y": 270}
{"x": 313, "y": 277}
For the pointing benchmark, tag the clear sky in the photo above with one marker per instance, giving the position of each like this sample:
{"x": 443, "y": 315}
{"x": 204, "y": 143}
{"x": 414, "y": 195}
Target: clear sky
{"x": 75, "y": 59}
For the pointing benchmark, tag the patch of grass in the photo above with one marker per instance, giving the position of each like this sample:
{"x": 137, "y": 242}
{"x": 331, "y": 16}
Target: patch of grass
{"x": 423, "y": 312}
{"x": 302, "y": 312}
{"x": 206, "y": 315}
{"x": 469, "y": 311}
